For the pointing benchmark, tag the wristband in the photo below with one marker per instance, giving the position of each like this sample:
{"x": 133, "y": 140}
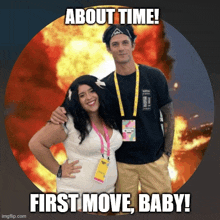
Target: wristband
{"x": 59, "y": 173}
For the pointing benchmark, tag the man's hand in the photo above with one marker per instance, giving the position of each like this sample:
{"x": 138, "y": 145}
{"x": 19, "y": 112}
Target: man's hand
{"x": 69, "y": 168}
{"x": 58, "y": 116}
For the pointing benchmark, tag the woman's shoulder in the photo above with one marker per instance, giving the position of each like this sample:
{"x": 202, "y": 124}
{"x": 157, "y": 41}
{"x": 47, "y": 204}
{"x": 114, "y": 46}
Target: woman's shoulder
{"x": 51, "y": 126}
{"x": 50, "y": 134}
{"x": 69, "y": 125}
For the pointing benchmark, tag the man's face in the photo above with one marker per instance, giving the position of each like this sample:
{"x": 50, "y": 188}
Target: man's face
{"x": 121, "y": 48}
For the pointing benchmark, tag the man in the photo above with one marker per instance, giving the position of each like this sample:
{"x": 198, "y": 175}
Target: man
{"x": 140, "y": 93}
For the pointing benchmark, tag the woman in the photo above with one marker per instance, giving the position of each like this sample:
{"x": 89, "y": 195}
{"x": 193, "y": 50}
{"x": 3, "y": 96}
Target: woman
{"x": 89, "y": 136}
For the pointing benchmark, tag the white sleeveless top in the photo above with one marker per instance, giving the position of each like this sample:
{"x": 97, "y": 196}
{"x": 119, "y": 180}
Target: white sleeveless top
{"x": 88, "y": 154}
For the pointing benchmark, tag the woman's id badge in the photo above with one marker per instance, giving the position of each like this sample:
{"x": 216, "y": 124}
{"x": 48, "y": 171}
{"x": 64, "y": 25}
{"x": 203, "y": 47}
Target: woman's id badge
{"x": 101, "y": 170}
{"x": 128, "y": 130}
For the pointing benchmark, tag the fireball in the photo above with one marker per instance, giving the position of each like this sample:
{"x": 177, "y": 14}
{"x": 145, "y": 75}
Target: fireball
{"x": 47, "y": 66}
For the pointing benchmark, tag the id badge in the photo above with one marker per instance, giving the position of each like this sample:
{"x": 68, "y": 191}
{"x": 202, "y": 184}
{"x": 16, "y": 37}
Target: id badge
{"x": 101, "y": 170}
{"x": 128, "y": 130}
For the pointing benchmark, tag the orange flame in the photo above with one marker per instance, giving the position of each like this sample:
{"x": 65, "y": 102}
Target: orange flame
{"x": 83, "y": 50}
{"x": 42, "y": 178}
{"x": 180, "y": 147}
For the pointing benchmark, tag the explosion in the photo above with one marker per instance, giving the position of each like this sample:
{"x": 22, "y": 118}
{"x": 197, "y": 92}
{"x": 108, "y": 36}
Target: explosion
{"x": 188, "y": 149}
{"x": 48, "y": 65}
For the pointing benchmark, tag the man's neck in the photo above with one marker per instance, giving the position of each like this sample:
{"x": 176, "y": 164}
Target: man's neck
{"x": 125, "y": 68}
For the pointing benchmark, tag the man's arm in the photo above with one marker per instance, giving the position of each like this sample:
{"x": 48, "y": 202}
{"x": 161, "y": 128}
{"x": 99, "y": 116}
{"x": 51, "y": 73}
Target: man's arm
{"x": 168, "y": 118}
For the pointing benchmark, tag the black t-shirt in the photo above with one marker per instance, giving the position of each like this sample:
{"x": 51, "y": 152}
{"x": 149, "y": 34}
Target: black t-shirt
{"x": 153, "y": 94}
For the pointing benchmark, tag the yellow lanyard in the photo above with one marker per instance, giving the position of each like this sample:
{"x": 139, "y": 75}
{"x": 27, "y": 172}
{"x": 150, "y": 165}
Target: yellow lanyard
{"x": 136, "y": 92}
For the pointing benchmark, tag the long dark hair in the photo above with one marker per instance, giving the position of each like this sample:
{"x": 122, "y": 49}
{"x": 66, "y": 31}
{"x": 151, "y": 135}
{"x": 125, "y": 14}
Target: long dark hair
{"x": 80, "y": 116}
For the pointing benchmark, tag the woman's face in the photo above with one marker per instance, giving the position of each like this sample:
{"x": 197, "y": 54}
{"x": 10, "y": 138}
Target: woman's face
{"x": 88, "y": 98}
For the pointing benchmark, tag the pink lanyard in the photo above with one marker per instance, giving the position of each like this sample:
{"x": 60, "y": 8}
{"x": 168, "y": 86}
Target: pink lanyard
{"x": 101, "y": 139}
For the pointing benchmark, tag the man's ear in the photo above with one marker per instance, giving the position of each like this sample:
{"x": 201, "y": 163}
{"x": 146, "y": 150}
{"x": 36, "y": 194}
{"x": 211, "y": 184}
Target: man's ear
{"x": 133, "y": 46}
{"x": 108, "y": 48}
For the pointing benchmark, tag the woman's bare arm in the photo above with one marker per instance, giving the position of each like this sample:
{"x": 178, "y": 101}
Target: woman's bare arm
{"x": 40, "y": 144}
